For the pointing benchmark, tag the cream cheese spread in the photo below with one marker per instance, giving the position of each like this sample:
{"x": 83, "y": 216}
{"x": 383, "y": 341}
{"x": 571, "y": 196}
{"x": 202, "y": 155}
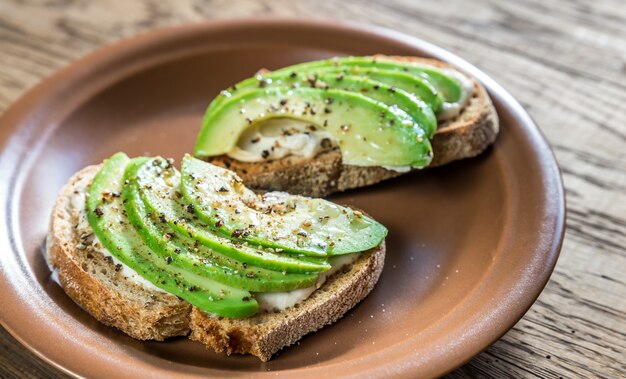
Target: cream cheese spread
{"x": 270, "y": 301}
{"x": 451, "y": 110}
{"x": 278, "y": 138}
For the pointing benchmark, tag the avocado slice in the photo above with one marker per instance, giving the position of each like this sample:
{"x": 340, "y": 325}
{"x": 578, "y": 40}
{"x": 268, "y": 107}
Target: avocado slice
{"x": 182, "y": 252}
{"x": 277, "y": 220}
{"x": 109, "y": 223}
{"x": 367, "y": 132}
{"x": 411, "y": 94}
{"x": 449, "y": 88}
{"x": 158, "y": 182}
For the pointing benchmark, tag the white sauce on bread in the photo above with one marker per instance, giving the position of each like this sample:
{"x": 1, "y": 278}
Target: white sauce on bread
{"x": 451, "y": 110}
{"x": 278, "y": 138}
{"x": 281, "y": 300}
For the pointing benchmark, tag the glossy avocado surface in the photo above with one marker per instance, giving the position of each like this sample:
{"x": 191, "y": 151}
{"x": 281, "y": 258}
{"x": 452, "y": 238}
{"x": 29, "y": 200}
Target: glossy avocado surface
{"x": 367, "y": 131}
{"x": 106, "y": 216}
{"x": 275, "y": 220}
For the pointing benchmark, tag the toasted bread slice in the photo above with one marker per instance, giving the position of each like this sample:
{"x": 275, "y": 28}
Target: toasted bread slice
{"x": 266, "y": 333}
{"x": 105, "y": 290}
{"x": 94, "y": 281}
{"x": 465, "y": 136}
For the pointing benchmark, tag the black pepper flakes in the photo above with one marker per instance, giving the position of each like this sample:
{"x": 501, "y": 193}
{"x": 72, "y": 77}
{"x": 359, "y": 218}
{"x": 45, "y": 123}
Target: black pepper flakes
{"x": 190, "y": 208}
{"x": 237, "y": 233}
{"x": 98, "y": 211}
{"x": 219, "y": 223}
{"x": 283, "y": 102}
{"x": 265, "y": 154}
{"x": 245, "y": 298}
{"x": 326, "y": 143}
{"x": 255, "y": 139}
{"x": 168, "y": 259}
{"x": 222, "y": 190}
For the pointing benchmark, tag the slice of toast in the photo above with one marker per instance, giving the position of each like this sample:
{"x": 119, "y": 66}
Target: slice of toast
{"x": 464, "y": 136}
{"x": 266, "y": 333}
{"x": 103, "y": 289}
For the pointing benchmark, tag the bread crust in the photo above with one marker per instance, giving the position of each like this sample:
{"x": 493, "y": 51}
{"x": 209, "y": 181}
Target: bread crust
{"x": 465, "y": 136}
{"x": 92, "y": 281}
{"x": 266, "y": 333}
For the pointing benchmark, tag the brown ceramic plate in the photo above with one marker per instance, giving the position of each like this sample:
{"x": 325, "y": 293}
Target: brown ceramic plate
{"x": 470, "y": 247}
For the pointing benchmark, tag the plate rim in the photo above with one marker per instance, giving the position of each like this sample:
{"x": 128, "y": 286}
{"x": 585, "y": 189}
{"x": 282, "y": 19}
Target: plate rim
{"x": 17, "y": 111}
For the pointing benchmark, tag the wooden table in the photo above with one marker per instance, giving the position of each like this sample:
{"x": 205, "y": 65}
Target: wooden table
{"x": 564, "y": 60}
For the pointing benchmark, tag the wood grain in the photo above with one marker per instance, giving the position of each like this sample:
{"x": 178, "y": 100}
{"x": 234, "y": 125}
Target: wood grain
{"x": 564, "y": 60}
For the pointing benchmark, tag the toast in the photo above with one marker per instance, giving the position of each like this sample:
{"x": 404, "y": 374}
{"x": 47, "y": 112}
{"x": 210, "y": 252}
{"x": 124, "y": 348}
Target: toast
{"x": 106, "y": 290}
{"x": 464, "y": 136}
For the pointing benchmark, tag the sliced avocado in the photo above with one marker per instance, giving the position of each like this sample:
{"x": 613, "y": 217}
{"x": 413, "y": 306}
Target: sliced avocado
{"x": 109, "y": 223}
{"x": 410, "y": 94}
{"x": 449, "y": 88}
{"x": 179, "y": 251}
{"x": 278, "y": 220}
{"x": 158, "y": 185}
{"x": 368, "y": 132}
